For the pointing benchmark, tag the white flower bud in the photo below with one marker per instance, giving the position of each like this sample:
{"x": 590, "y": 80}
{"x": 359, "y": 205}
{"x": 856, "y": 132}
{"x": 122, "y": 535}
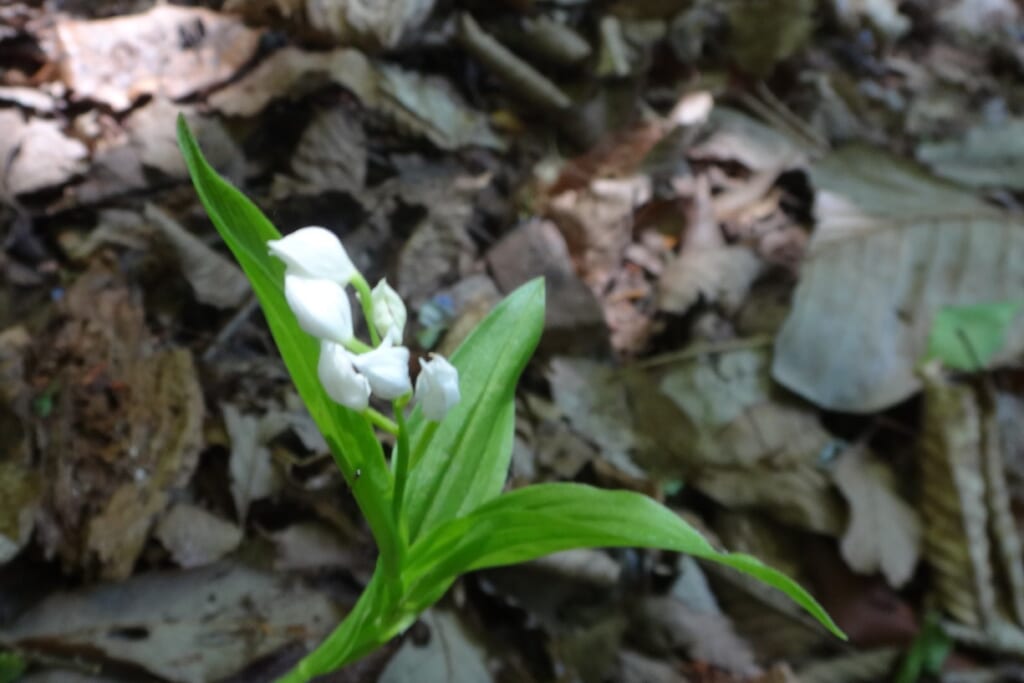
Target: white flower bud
{"x": 437, "y": 387}
{"x": 321, "y": 307}
{"x": 340, "y": 379}
{"x": 388, "y": 312}
{"x": 314, "y": 252}
{"x": 387, "y": 369}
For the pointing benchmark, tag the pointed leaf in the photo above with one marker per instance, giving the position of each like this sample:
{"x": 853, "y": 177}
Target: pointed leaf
{"x": 967, "y": 337}
{"x": 546, "y": 518}
{"x": 246, "y": 231}
{"x": 467, "y": 459}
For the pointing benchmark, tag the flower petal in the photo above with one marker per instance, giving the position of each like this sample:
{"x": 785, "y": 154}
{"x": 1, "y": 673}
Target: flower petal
{"x": 340, "y": 379}
{"x": 321, "y": 307}
{"x": 437, "y": 387}
{"x": 387, "y": 369}
{"x": 389, "y": 313}
{"x": 314, "y": 252}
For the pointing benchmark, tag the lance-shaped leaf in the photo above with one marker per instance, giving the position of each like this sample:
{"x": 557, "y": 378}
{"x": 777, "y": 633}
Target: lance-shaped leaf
{"x": 539, "y": 520}
{"x": 466, "y": 461}
{"x": 246, "y": 231}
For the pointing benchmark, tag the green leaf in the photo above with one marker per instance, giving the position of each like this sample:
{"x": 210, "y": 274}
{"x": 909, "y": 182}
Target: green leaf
{"x": 467, "y": 459}
{"x": 927, "y": 654}
{"x": 12, "y": 666}
{"x": 546, "y": 518}
{"x": 246, "y": 231}
{"x": 967, "y": 337}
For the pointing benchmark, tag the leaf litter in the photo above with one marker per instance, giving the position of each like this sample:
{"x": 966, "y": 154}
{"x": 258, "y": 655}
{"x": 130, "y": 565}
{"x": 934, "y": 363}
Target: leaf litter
{"x": 806, "y": 345}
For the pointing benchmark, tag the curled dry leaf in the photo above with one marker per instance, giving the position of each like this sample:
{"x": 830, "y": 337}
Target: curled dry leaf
{"x": 169, "y": 50}
{"x": 884, "y": 532}
{"x": 892, "y": 247}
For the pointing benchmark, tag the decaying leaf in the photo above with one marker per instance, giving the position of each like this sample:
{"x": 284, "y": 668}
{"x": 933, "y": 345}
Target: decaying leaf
{"x": 188, "y": 627}
{"x": 593, "y": 399}
{"x": 688, "y": 618}
{"x": 987, "y": 156}
{"x": 170, "y": 50}
{"x": 736, "y": 439}
{"x": 449, "y": 655}
{"x": 310, "y": 546}
{"x": 892, "y": 246}
{"x": 214, "y": 278}
{"x": 884, "y": 532}
{"x": 19, "y": 496}
{"x": 330, "y": 157}
{"x": 195, "y": 537}
{"x": 125, "y": 428}
{"x": 956, "y": 541}
{"x": 253, "y": 475}
{"x": 735, "y": 136}
{"x": 36, "y": 154}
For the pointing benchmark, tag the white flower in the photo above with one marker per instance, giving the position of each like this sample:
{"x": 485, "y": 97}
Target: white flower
{"x": 437, "y": 388}
{"x": 340, "y": 379}
{"x": 321, "y": 307}
{"x": 387, "y": 369}
{"x": 388, "y": 312}
{"x": 314, "y": 252}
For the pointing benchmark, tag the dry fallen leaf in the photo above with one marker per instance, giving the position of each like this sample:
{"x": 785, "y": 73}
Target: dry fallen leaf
{"x": 188, "y": 627}
{"x": 36, "y": 155}
{"x": 253, "y": 475}
{"x": 884, "y": 532}
{"x": 195, "y": 537}
{"x": 330, "y": 157}
{"x": 989, "y": 155}
{"x": 892, "y": 246}
{"x": 170, "y": 51}
{"x": 450, "y": 655}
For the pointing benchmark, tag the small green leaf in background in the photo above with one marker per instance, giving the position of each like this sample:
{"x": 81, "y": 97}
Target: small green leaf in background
{"x": 12, "y": 666}
{"x": 967, "y": 337}
{"x": 927, "y": 653}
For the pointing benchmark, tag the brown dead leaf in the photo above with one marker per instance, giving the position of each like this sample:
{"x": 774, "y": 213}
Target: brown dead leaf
{"x": 451, "y": 654}
{"x": 188, "y": 627}
{"x": 169, "y": 51}
{"x": 195, "y": 537}
{"x": 956, "y": 540}
{"x": 36, "y": 155}
{"x": 125, "y": 430}
{"x": 884, "y": 532}
{"x": 763, "y": 34}
{"x": 639, "y": 668}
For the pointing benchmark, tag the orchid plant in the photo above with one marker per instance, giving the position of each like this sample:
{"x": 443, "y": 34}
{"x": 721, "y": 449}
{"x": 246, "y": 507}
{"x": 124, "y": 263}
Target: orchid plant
{"x": 435, "y": 507}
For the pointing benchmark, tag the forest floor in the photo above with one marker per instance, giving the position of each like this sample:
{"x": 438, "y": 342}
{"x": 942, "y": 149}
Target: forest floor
{"x": 784, "y": 251}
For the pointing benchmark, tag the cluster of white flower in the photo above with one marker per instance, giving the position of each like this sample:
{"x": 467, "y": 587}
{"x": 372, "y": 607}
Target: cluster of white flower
{"x": 318, "y": 270}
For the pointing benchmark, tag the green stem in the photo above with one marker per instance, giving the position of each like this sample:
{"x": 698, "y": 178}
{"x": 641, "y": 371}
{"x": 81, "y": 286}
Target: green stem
{"x": 400, "y": 464}
{"x": 381, "y": 421}
{"x": 365, "y": 297}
